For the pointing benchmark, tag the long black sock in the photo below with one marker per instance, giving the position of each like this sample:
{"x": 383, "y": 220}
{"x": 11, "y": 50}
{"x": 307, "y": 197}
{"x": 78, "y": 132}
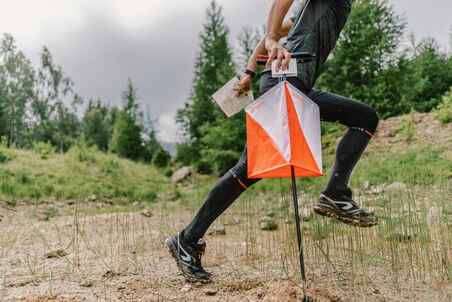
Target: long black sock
{"x": 349, "y": 151}
{"x": 224, "y": 193}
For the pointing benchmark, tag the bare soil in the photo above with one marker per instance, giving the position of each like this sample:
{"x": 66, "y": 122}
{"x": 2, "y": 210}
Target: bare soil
{"x": 121, "y": 257}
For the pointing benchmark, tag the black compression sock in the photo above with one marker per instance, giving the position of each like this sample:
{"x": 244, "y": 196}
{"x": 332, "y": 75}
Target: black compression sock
{"x": 348, "y": 153}
{"x": 224, "y": 193}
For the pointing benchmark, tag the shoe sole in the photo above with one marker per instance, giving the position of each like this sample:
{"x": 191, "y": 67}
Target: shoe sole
{"x": 344, "y": 219}
{"x": 188, "y": 277}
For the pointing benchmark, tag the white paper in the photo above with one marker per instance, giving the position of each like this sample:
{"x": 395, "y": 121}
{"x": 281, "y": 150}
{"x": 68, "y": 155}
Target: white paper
{"x": 227, "y": 100}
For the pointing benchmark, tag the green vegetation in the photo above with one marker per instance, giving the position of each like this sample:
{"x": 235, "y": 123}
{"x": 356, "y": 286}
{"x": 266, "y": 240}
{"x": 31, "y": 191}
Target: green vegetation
{"x": 83, "y": 173}
{"x": 444, "y": 111}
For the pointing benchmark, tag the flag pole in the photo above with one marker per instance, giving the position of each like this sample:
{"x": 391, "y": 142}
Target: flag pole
{"x": 298, "y": 226}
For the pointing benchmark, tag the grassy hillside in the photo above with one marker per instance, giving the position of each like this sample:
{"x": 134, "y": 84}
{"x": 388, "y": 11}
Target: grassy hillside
{"x": 82, "y": 173}
{"x": 413, "y": 150}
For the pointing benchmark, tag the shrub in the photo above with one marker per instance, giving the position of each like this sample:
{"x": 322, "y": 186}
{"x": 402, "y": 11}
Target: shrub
{"x": 168, "y": 172}
{"x": 444, "y": 110}
{"x": 4, "y": 157}
{"x": 43, "y": 149}
{"x": 407, "y": 128}
{"x": 83, "y": 153}
{"x": 110, "y": 166}
{"x": 161, "y": 158}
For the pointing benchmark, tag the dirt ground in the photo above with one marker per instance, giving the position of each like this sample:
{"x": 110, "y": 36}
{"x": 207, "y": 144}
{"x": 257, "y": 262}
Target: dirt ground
{"x": 79, "y": 255}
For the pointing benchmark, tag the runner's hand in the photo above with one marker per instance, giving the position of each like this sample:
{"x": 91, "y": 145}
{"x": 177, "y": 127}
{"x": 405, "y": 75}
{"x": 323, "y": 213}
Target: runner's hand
{"x": 277, "y": 53}
{"x": 244, "y": 85}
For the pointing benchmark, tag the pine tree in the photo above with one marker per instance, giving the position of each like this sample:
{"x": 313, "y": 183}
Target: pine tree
{"x": 97, "y": 125}
{"x": 365, "y": 61}
{"x": 213, "y": 68}
{"x": 127, "y": 138}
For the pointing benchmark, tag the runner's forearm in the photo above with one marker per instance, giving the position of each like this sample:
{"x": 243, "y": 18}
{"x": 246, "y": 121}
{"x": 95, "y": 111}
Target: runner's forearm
{"x": 260, "y": 48}
{"x": 276, "y": 17}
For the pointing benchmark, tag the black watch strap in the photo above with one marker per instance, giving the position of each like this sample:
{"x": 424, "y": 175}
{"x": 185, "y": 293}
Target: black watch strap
{"x": 250, "y": 73}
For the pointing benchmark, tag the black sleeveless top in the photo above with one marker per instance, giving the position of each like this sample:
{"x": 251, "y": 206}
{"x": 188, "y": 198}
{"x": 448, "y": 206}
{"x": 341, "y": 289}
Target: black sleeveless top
{"x": 317, "y": 26}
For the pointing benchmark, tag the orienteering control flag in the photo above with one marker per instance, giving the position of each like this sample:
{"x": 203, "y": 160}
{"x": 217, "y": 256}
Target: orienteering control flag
{"x": 283, "y": 130}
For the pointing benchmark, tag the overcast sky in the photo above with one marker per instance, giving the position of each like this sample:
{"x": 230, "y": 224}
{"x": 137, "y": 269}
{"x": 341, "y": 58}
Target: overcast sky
{"x": 103, "y": 42}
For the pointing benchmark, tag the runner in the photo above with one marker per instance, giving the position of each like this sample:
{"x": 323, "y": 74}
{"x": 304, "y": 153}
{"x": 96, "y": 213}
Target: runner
{"x": 314, "y": 29}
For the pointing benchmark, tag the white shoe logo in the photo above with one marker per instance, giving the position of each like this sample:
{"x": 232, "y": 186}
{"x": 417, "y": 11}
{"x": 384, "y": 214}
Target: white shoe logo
{"x": 186, "y": 257}
{"x": 347, "y": 205}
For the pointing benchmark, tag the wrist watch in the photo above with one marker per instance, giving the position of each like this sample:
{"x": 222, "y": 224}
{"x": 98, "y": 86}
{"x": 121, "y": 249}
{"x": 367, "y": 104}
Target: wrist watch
{"x": 250, "y": 72}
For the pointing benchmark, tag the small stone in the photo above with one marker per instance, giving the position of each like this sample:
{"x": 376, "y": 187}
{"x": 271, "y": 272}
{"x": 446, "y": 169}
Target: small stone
{"x": 147, "y": 213}
{"x": 433, "y": 216}
{"x": 217, "y": 230}
{"x": 210, "y": 292}
{"x": 122, "y": 287}
{"x": 366, "y": 185}
{"x": 87, "y": 283}
{"x": 92, "y": 198}
{"x": 268, "y": 224}
{"x": 400, "y": 237}
{"x": 271, "y": 214}
{"x": 110, "y": 274}
{"x": 306, "y": 215}
{"x": 181, "y": 174}
{"x": 56, "y": 254}
{"x": 396, "y": 186}
{"x": 232, "y": 221}
{"x": 186, "y": 288}
{"x": 377, "y": 189}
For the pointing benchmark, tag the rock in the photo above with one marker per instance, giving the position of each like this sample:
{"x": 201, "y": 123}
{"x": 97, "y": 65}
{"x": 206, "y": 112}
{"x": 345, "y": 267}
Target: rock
{"x": 56, "y": 254}
{"x": 306, "y": 214}
{"x": 233, "y": 220}
{"x": 271, "y": 214}
{"x": 92, "y": 198}
{"x": 433, "y": 216}
{"x": 87, "y": 283}
{"x": 217, "y": 230}
{"x": 366, "y": 185}
{"x": 377, "y": 189}
{"x": 186, "y": 288}
{"x": 268, "y": 224}
{"x": 147, "y": 213}
{"x": 210, "y": 292}
{"x": 110, "y": 274}
{"x": 397, "y": 186}
{"x": 400, "y": 237}
{"x": 181, "y": 174}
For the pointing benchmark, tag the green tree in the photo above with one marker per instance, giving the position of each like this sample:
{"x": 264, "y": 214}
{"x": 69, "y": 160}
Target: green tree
{"x": 16, "y": 92}
{"x": 97, "y": 125}
{"x": 428, "y": 77}
{"x": 366, "y": 57}
{"x": 127, "y": 138}
{"x": 213, "y": 68}
{"x": 53, "y": 120}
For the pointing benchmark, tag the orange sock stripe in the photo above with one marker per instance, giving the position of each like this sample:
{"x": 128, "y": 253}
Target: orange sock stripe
{"x": 371, "y": 135}
{"x": 241, "y": 183}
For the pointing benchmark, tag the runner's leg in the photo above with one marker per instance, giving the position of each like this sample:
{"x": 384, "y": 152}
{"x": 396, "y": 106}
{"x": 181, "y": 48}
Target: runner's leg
{"x": 362, "y": 121}
{"x": 220, "y": 198}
